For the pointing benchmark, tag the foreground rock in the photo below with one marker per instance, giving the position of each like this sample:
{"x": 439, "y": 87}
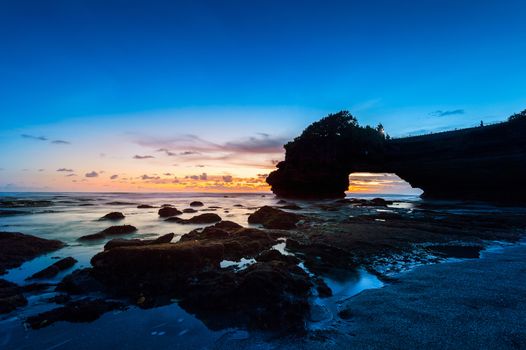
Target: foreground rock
{"x": 54, "y": 269}
{"x": 110, "y": 231}
{"x": 273, "y": 218}
{"x": 85, "y": 310}
{"x": 113, "y": 216}
{"x": 16, "y": 248}
{"x": 168, "y": 211}
{"x": 270, "y": 294}
{"x": 11, "y": 297}
{"x": 119, "y": 242}
{"x": 266, "y": 295}
{"x": 196, "y": 204}
{"x": 207, "y": 218}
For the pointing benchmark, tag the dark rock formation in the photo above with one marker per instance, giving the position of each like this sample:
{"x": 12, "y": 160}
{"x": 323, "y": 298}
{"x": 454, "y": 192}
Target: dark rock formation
{"x": 166, "y": 212}
{"x": 274, "y": 218}
{"x": 16, "y": 248}
{"x": 120, "y": 203}
{"x": 119, "y": 242}
{"x": 85, "y": 310}
{"x": 189, "y": 210}
{"x": 80, "y": 282}
{"x": 54, "y": 269}
{"x": 266, "y": 295}
{"x": 270, "y": 294}
{"x": 274, "y": 255}
{"x": 480, "y": 163}
{"x": 196, "y": 204}
{"x": 227, "y": 225}
{"x": 145, "y": 206}
{"x": 13, "y": 212}
{"x": 375, "y": 202}
{"x": 207, "y": 218}
{"x": 115, "y": 215}
{"x": 24, "y": 203}
{"x": 110, "y": 231}
{"x": 291, "y": 207}
{"x": 456, "y": 251}
{"x": 11, "y": 297}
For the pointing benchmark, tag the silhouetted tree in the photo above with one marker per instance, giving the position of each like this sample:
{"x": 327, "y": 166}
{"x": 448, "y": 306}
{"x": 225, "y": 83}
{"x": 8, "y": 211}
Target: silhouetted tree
{"x": 518, "y": 116}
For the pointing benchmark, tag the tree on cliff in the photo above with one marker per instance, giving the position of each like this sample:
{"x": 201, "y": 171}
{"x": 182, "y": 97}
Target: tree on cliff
{"x": 336, "y": 140}
{"x": 518, "y": 116}
{"x": 318, "y": 162}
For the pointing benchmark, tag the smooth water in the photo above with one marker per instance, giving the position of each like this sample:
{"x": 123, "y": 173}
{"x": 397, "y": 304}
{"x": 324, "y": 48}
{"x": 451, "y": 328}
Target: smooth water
{"x": 73, "y": 215}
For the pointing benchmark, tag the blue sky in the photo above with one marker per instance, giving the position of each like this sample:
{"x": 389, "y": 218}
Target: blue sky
{"x": 228, "y": 71}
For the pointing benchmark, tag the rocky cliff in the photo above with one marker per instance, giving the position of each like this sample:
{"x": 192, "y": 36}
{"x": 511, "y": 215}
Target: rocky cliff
{"x": 482, "y": 163}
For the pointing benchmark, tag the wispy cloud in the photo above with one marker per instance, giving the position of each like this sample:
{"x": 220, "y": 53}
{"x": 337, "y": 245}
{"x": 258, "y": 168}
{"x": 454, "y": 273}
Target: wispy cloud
{"x": 192, "y": 144}
{"x": 65, "y": 170}
{"x": 61, "y": 142}
{"x": 440, "y": 113}
{"x": 167, "y": 152}
{"x": 255, "y": 151}
{"x": 113, "y": 177}
{"x": 92, "y": 174}
{"x": 142, "y": 157}
{"x": 147, "y": 177}
{"x": 37, "y": 138}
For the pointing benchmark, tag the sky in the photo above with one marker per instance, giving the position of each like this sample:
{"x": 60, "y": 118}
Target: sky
{"x": 201, "y": 95}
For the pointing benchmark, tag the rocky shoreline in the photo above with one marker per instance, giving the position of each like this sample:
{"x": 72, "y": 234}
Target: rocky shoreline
{"x": 229, "y": 276}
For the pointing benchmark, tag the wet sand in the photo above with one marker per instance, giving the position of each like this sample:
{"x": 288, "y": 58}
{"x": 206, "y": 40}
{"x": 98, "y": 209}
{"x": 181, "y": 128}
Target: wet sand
{"x": 474, "y": 304}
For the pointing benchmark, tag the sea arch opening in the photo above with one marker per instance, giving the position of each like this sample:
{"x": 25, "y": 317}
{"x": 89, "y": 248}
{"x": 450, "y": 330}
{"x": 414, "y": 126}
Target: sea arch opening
{"x": 368, "y": 183}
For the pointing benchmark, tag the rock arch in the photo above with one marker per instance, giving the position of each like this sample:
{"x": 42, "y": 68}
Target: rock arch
{"x": 481, "y": 163}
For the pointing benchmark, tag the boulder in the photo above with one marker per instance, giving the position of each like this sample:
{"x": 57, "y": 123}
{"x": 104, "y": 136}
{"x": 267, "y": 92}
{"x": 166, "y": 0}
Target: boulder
{"x": 275, "y": 255}
{"x": 11, "y": 297}
{"x": 268, "y": 295}
{"x": 145, "y": 206}
{"x": 273, "y": 218}
{"x": 85, "y": 310}
{"x": 120, "y": 242}
{"x": 189, "y": 210}
{"x": 80, "y": 281}
{"x": 206, "y": 218}
{"x": 165, "y": 212}
{"x": 196, "y": 204}
{"x": 228, "y": 225}
{"x": 16, "y": 248}
{"x": 54, "y": 269}
{"x": 110, "y": 231}
{"x": 154, "y": 269}
{"x": 120, "y": 203}
{"x": 115, "y": 215}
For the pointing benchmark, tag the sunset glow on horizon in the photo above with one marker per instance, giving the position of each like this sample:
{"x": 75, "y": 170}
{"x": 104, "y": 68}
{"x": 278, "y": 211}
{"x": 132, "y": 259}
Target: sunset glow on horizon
{"x": 201, "y": 96}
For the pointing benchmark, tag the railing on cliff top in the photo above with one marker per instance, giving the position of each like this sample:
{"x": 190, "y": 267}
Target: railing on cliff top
{"x": 484, "y": 125}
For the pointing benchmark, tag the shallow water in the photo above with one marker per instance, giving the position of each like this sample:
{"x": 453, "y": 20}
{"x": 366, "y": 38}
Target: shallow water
{"x": 76, "y": 214}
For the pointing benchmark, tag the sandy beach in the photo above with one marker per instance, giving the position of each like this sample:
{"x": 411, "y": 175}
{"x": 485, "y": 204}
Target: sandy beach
{"x": 475, "y": 304}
